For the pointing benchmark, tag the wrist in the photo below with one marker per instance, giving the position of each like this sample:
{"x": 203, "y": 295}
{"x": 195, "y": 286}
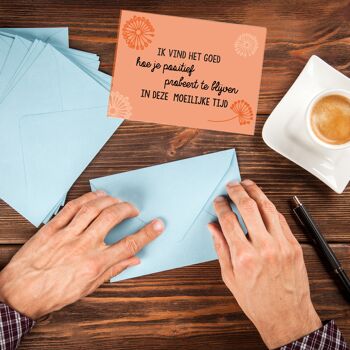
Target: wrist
{"x": 12, "y": 296}
{"x": 2, "y": 285}
{"x": 290, "y": 329}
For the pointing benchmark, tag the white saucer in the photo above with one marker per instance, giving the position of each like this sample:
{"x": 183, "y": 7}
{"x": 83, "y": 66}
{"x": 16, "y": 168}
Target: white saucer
{"x": 285, "y": 129}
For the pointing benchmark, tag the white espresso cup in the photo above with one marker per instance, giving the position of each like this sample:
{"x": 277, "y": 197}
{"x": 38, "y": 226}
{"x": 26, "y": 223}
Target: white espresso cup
{"x": 310, "y": 107}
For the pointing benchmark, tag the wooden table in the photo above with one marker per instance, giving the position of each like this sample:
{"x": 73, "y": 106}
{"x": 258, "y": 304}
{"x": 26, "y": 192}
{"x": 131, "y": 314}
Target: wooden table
{"x": 190, "y": 308}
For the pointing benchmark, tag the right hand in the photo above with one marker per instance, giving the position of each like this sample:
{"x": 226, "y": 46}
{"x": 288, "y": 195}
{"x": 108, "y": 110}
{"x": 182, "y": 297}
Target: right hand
{"x": 67, "y": 259}
{"x": 265, "y": 271}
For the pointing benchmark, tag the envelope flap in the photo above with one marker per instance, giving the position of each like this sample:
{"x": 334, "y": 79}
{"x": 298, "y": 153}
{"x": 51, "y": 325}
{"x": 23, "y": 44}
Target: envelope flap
{"x": 175, "y": 191}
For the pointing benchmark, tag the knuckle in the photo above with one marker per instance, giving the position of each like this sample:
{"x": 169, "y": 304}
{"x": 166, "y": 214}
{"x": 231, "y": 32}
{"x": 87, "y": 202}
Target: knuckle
{"x": 227, "y": 217}
{"x": 270, "y": 254}
{"x": 283, "y": 220}
{"x": 48, "y": 229}
{"x": 118, "y": 211}
{"x": 281, "y": 216}
{"x": 131, "y": 245}
{"x": 268, "y": 206}
{"x": 111, "y": 214}
{"x": 77, "y": 248}
{"x": 115, "y": 200}
{"x": 88, "y": 209}
{"x": 298, "y": 251}
{"x": 91, "y": 269}
{"x": 128, "y": 207}
{"x": 287, "y": 255}
{"x": 149, "y": 232}
{"x": 217, "y": 246}
{"x": 71, "y": 206}
{"x": 247, "y": 204}
{"x": 245, "y": 260}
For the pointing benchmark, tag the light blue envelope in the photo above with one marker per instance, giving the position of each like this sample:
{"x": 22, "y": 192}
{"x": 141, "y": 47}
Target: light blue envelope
{"x": 55, "y": 36}
{"x": 58, "y": 37}
{"x": 17, "y": 52}
{"x": 29, "y": 51}
{"x": 25, "y": 37}
{"x": 70, "y": 139}
{"x": 89, "y": 62}
{"x": 105, "y": 80}
{"x": 5, "y": 45}
{"x": 22, "y": 53}
{"x": 181, "y": 193}
{"x": 53, "y": 97}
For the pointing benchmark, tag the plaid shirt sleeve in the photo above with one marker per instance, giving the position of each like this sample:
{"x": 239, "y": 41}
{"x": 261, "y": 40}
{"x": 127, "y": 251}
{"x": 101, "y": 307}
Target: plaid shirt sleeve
{"x": 13, "y": 326}
{"x": 328, "y": 337}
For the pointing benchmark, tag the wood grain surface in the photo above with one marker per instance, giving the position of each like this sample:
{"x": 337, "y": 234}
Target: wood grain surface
{"x": 190, "y": 308}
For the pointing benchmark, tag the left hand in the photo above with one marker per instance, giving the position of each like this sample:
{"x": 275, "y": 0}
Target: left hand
{"x": 67, "y": 259}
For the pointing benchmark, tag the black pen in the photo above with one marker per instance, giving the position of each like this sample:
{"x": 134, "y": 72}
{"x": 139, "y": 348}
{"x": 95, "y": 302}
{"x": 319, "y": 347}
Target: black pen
{"x": 317, "y": 237}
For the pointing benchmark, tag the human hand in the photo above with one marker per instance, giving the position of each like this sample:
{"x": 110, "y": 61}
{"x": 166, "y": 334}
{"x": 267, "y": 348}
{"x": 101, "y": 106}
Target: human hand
{"x": 67, "y": 259}
{"x": 265, "y": 271}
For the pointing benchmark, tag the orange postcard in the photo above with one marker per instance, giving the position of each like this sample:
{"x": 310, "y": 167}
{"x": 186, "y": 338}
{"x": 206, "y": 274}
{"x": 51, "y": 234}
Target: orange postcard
{"x": 187, "y": 72}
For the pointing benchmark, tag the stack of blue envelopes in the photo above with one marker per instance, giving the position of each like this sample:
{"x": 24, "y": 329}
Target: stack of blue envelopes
{"x": 53, "y": 108}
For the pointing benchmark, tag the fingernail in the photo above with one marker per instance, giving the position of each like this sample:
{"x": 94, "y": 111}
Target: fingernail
{"x": 247, "y": 182}
{"x": 211, "y": 230}
{"x": 100, "y": 193}
{"x": 219, "y": 199}
{"x": 232, "y": 184}
{"x": 158, "y": 225}
{"x": 135, "y": 262}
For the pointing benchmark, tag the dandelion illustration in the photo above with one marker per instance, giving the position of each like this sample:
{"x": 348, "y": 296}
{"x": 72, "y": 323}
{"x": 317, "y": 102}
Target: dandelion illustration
{"x": 246, "y": 45}
{"x": 241, "y": 110}
{"x": 138, "y": 32}
{"x": 119, "y": 105}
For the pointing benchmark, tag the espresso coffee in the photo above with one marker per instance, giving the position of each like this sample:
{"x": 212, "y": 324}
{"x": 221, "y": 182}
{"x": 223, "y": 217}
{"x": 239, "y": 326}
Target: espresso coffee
{"x": 330, "y": 119}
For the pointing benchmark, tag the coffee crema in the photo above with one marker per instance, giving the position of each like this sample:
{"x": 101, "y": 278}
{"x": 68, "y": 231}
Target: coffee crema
{"x": 330, "y": 119}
